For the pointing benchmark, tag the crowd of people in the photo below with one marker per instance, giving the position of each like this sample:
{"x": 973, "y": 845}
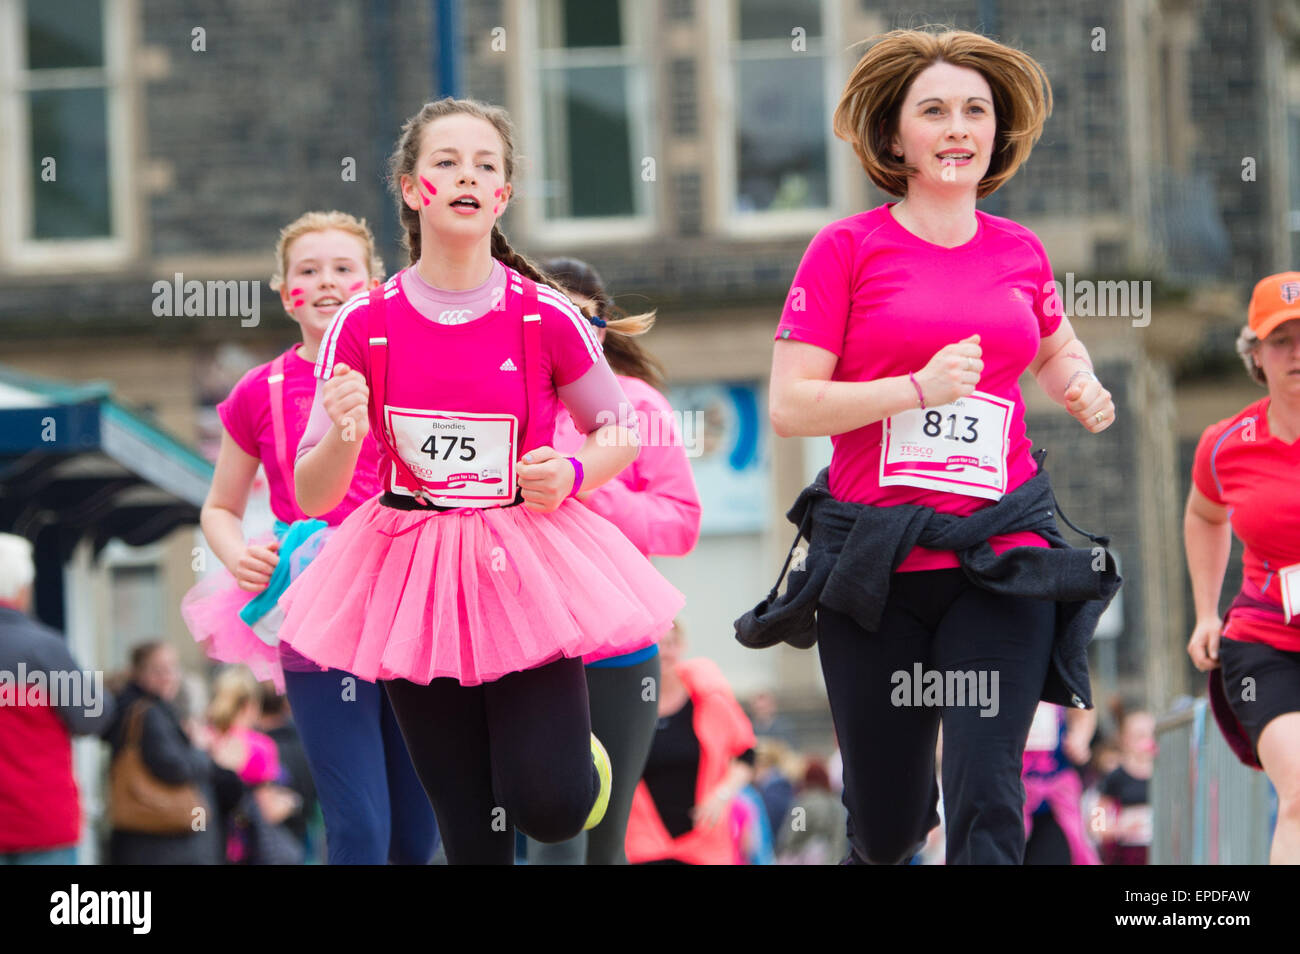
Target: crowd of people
{"x": 456, "y": 602}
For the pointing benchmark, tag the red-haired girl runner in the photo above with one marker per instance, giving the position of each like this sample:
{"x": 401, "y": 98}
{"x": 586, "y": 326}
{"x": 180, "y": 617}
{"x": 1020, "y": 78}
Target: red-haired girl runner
{"x": 473, "y": 586}
{"x": 371, "y": 799}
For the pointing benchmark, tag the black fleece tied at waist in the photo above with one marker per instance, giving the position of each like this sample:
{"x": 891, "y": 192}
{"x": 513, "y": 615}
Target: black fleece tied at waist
{"x": 853, "y": 550}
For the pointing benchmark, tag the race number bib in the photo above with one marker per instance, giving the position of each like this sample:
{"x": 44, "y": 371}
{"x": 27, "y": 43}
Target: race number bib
{"x": 1289, "y": 578}
{"x": 461, "y": 459}
{"x": 960, "y": 447}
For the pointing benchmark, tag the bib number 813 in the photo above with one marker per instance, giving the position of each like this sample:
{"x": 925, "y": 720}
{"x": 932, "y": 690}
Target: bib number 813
{"x": 466, "y": 444}
{"x": 933, "y": 427}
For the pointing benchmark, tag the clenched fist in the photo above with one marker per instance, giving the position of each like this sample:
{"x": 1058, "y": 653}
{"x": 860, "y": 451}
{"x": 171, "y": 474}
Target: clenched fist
{"x": 545, "y": 477}
{"x": 952, "y": 373}
{"x": 346, "y": 398}
{"x": 1090, "y": 403}
{"x": 256, "y": 564}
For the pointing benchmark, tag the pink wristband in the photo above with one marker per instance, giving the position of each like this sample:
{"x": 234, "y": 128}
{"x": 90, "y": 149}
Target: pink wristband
{"x": 577, "y": 476}
{"x": 919, "y": 395}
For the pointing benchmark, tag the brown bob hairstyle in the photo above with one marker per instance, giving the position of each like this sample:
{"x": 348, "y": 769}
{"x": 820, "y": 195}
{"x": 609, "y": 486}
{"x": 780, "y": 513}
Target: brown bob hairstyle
{"x": 868, "y": 111}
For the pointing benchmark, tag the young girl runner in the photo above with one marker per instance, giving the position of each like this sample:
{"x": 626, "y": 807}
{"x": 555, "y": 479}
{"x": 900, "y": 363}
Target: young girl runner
{"x": 474, "y": 585}
{"x": 655, "y": 503}
{"x": 370, "y": 797}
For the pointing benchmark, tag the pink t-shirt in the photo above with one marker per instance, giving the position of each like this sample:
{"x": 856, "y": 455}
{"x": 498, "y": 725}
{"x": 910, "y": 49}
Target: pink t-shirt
{"x": 246, "y": 415}
{"x": 884, "y": 301}
{"x": 474, "y": 366}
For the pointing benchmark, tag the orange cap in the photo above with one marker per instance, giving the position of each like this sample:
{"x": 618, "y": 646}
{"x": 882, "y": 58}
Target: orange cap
{"x": 1276, "y": 299}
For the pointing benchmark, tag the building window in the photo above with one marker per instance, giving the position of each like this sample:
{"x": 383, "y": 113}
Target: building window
{"x": 778, "y": 92}
{"x": 590, "y": 103}
{"x": 60, "y": 83}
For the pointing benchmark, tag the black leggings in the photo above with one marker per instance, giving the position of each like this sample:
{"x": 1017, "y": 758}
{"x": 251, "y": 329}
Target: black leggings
{"x": 937, "y": 618}
{"x": 511, "y": 753}
{"x": 623, "y": 716}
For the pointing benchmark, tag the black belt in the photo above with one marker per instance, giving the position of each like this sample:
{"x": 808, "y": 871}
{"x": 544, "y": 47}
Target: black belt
{"x": 403, "y": 502}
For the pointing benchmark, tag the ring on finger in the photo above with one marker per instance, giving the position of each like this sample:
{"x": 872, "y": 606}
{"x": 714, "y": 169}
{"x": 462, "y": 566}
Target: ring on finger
{"x": 1100, "y": 417}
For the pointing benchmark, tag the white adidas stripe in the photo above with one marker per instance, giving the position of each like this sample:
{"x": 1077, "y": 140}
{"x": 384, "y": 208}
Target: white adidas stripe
{"x": 562, "y": 304}
{"x": 325, "y": 357}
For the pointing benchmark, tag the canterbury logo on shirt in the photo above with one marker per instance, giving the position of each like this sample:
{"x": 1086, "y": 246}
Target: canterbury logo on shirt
{"x": 508, "y": 365}
{"x": 455, "y": 317}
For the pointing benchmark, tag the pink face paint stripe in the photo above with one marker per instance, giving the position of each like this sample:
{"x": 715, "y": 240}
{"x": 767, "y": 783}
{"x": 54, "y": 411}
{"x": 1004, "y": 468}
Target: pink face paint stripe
{"x": 295, "y": 291}
{"x": 356, "y": 286}
{"x": 299, "y": 303}
{"x": 432, "y": 191}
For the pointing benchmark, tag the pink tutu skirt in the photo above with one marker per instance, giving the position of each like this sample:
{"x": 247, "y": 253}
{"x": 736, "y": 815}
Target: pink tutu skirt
{"x": 473, "y": 594}
{"x": 211, "y": 612}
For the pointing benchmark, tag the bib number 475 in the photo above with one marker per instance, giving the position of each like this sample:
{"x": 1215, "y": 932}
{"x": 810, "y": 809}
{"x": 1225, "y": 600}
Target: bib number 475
{"x": 450, "y": 443}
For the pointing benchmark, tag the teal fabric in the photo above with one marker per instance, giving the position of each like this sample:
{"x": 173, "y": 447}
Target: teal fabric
{"x": 291, "y": 536}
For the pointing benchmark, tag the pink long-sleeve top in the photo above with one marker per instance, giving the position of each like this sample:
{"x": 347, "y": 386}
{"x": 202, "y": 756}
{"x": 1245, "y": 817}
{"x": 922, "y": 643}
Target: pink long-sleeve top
{"x": 654, "y": 500}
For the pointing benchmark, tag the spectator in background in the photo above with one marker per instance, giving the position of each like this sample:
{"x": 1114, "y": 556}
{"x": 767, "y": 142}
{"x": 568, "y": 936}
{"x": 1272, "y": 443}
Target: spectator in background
{"x": 172, "y": 758}
{"x": 231, "y": 714}
{"x": 1126, "y": 838}
{"x": 817, "y": 835}
{"x": 702, "y": 756}
{"x": 45, "y": 699}
{"x": 258, "y": 835}
{"x": 769, "y": 723}
{"x": 775, "y": 770}
{"x": 277, "y": 723}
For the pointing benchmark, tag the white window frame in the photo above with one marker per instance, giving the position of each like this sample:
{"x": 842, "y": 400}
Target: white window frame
{"x": 729, "y": 220}
{"x": 638, "y": 26}
{"x": 19, "y": 251}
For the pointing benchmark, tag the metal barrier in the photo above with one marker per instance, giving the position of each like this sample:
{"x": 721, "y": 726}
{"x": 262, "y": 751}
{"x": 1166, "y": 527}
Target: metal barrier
{"x": 1207, "y": 808}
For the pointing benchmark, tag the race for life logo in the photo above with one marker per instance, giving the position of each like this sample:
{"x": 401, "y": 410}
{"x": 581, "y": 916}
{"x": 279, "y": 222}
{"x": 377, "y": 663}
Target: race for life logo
{"x": 1290, "y": 291}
